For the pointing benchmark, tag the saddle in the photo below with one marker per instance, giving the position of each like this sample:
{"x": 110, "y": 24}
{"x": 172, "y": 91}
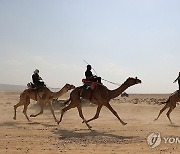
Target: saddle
{"x": 35, "y": 89}
{"x": 30, "y": 85}
{"x": 88, "y": 88}
{"x": 89, "y": 84}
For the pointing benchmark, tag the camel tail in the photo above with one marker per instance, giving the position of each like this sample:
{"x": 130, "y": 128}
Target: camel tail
{"x": 67, "y": 101}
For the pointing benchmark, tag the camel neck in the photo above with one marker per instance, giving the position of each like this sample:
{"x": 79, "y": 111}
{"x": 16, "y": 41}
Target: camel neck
{"x": 116, "y": 92}
{"x": 59, "y": 93}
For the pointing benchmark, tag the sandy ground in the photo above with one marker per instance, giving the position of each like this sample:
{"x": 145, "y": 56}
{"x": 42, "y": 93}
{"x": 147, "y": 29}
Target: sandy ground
{"x": 43, "y": 135}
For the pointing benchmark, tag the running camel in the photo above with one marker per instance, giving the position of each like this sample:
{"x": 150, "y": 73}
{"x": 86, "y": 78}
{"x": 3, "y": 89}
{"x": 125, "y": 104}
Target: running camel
{"x": 44, "y": 96}
{"x": 171, "y": 104}
{"x": 100, "y": 96}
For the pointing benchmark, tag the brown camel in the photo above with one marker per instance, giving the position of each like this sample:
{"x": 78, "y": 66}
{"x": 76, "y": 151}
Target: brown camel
{"x": 171, "y": 104}
{"x": 44, "y": 96}
{"x": 100, "y": 96}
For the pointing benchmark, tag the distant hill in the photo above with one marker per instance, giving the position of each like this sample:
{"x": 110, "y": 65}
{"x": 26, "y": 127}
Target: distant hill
{"x": 17, "y": 88}
{"x": 9, "y": 87}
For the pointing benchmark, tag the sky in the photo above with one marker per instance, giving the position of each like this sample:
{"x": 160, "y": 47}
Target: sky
{"x": 119, "y": 38}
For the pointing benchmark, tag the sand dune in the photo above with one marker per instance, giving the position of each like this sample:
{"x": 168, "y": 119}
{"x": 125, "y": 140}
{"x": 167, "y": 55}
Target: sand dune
{"x": 43, "y": 135}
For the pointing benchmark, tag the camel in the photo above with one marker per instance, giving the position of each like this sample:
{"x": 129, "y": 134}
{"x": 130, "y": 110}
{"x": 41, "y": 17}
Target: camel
{"x": 171, "y": 104}
{"x": 44, "y": 96}
{"x": 100, "y": 96}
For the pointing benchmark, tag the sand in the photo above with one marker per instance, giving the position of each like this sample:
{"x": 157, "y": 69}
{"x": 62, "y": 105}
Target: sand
{"x": 43, "y": 136}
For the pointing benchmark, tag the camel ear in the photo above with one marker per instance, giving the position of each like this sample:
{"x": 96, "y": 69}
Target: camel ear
{"x": 136, "y": 77}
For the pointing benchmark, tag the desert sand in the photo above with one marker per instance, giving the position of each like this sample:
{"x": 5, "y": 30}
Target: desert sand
{"x": 43, "y": 136}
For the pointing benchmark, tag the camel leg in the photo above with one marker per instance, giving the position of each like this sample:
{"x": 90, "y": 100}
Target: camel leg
{"x": 52, "y": 111}
{"x": 25, "y": 111}
{"x": 115, "y": 113}
{"x": 81, "y": 115}
{"x": 168, "y": 113}
{"x": 15, "y": 108}
{"x": 71, "y": 105}
{"x": 22, "y": 101}
{"x": 161, "y": 111}
{"x": 97, "y": 113}
{"x": 41, "y": 110}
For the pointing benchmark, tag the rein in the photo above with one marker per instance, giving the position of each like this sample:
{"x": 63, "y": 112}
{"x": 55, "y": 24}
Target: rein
{"x": 102, "y": 78}
{"x": 111, "y": 82}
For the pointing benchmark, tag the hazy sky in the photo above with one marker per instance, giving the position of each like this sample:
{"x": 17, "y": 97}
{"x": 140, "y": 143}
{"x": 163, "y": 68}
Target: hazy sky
{"x": 119, "y": 38}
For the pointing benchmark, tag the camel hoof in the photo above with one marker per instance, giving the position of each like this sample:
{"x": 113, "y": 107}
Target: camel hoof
{"x": 14, "y": 118}
{"x": 90, "y": 128}
{"x": 155, "y": 119}
{"x": 31, "y": 115}
{"x": 58, "y": 122}
{"x": 124, "y": 123}
{"x": 172, "y": 123}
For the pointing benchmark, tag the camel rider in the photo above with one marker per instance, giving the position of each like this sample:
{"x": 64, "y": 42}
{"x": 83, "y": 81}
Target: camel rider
{"x": 37, "y": 79}
{"x": 91, "y": 80}
{"x": 178, "y": 79}
{"x": 90, "y": 76}
{"x": 88, "y": 73}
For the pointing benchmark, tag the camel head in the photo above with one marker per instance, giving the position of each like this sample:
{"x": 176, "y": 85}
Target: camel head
{"x": 69, "y": 86}
{"x": 132, "y": 81}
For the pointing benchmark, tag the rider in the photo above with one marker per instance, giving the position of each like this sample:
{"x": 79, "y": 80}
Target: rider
{"x": 90, "y": 76}
{"x": 37, "y": 79}
{"x": 91, "y": 80}
{"x": 88, "y": 73}
{"x": 178, "y": 79}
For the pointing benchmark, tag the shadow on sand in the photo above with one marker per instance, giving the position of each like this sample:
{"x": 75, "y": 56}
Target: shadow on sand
{"x": 43, "y": 124}
{"x": 16, "y": 123}
{"x": 86, "y": 136}
{"x": 174, "y": 125}
{"x": 13, "y": 123}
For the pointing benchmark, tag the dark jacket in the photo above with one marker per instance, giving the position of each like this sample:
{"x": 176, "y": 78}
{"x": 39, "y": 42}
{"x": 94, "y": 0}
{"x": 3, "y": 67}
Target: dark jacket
{"x": 88, "y": 74}
{"x": 36, "y": 79}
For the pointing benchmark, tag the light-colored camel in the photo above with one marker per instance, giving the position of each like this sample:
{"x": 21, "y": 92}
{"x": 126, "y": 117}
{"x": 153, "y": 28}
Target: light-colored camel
{"x": 100, "y": 96}
{"x": 171, "y": 104}
{"x": 44, "y": 96}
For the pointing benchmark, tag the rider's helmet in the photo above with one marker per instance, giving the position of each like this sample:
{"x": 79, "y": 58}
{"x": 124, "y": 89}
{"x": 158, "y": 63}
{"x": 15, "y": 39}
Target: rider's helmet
{"x": 89, "y": 67}
{"x": 36, "y": 71}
